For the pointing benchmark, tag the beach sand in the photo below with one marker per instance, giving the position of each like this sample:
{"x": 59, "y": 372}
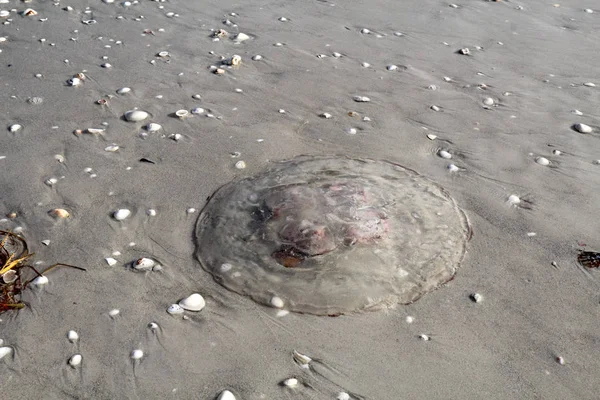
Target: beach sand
{"x": 500, "y": 107}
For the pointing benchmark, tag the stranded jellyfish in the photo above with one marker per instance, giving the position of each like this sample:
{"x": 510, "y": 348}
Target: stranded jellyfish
{"x": 332, "y": 235}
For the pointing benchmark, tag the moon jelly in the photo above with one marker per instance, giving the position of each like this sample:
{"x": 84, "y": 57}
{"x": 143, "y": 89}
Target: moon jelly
{"x": 332, "y": 235}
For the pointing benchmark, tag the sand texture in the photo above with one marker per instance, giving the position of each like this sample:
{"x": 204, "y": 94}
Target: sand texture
{"x": 480, "y": 97}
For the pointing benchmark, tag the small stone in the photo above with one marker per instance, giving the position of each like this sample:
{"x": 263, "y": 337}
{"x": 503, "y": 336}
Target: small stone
{"x": 343, "y": 396}
{"x": 365, "y": 31}
{"x": 190, "y": 210}
{"x": 257, "y": 57}
{"x": 75, "y": 360}
{"x": 72, "y": 336}
{"x": 15, "y": 128}
{"x": 365, "y": 64}
{"x": 409, "y": 319}
{"x": 392, "y": 67}
{"x": 513, "y": 199}
{"x": 488, "y": 101}
{"x": 435, "y": 108}
{"x": 226, "y": 395}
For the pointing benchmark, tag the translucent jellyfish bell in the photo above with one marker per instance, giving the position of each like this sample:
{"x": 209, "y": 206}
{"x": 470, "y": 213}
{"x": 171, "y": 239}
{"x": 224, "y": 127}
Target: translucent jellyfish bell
{"x": 332, "y": 235}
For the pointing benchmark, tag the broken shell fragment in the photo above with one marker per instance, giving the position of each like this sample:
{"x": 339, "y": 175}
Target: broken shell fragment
{"x": 301, "y": 359}
{"x": 9, "y": 276}
{"x": 235, "y": 60}
{"x": 135, "y": 115}
{"x": 240, "y": 37}
{"x": 40, "y": 281}
{"x": 5, "y": 351}
{"x": 465, "y": 51}
{"x": 361, "y": 99}
{"x": 30, "y": 12}
{"x": 144, "y": 264}
{"x": 194, "y": 302}
{"x": 182, "y": 113}
{"x": 59, "y": 213}
{"x": 74, "y": 81}
{"x": 220, "y": 33}
{"x": 163, "y": 54}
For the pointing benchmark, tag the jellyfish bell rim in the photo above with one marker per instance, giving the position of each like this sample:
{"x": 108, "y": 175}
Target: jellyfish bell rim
{"x": 460, "y": 222}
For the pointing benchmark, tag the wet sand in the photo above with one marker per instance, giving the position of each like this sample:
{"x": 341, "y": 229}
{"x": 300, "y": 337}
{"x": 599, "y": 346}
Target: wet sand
{"x": 534, "y": 60}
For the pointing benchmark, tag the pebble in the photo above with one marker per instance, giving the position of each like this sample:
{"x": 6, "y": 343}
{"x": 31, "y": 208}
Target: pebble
{"x": 542, "y": 161}
{"x": 365, "y": 31}
{"x": 556, "y": 152}
{"x": 226, "y": 395}
{"x": 351, "y": 131}
{"x": 589, "y": 84}
{"x": 175, "y": 309}
{"x": 583, "y": 128}
{"x": 476, "y": 297}
{"x": 190, "y": 210}
{"x": 75, "y": 360}
{"x": 110, "y": 261}
{"x": 365, "y": 64}
{"x": 114, "y": 312}
{"x": 137, "y": 354}
{"x": 121, "y": 214}
{"x": 194, "y": 302}
{"x": 72, "y": 336}
{"x": 291, "y": 382}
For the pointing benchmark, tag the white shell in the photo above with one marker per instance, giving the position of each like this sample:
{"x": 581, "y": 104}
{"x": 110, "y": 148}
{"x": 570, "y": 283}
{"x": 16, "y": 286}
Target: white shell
{"x": 226, "y": 395}
{"x": 453, "y": 168}
{"x": 110, "y": 261}
{"x": 465, "y": 51}
{"x": 257, "y": 57}
{"x": 365, "y": 31}
{"x": 137, "y": 354}
{"x": 424, "y": 337}
{"x": 114, "y": 312}
{"x": 431, "y": 136}
{"x": 144, "y": 264}
{"x": 560, "y": 360}
{"x": 175, "y": 309}
{"x": 75, "y": 360}
{"x": 589, "y": 84}
{"x": 151, "y": 212}
{"x": 240, "y": 37}
{"x": 351, "y": 131}
{"x": 163, "y": 54}
{"x": 392, "y": 67}
{"x": 9, "y": 276}
{"x": 153, "y": 127}
{"x": 72, "y": 336}
{"x": 194, "y": 302}
{"x": 277, "y": 302}
{"x": 74, "y": 81}
{"x": 40, "y": 281}
{"x": 136, "y": 115}
{"x": 197, "y": 110}
{"x": 542, "y": 161}
{"x": 343, "y": 396}
{"x": 291, "y": 382}
{"x": 5, "y": 351}
{"x": 476, "y": 297}
{"x": 488, "y": 101}
{"x": 112, "y": 148}
{"x": 123, "y": 90}
{"x": 435, "y": 108}
{"x": 445, "y": 154}
{"x": 240, "y": 164}
{"x": 182, "y": 113}
{"x": 513, "y": 199}
{"x": 301, "y": 359}
{"x": 365, "y": 64}
{"x": 410, "y": 319}
{"x": 15, "y": 128}
{"x": 235, "y": 60}
{"x": 325, "y": 115}
{"x": 59, "y": 213}
{"x": 361, "y": 99}
{"x": 153, "y": 326}
{"x": 121, "y": 214}
{"x": 582, "y": 128}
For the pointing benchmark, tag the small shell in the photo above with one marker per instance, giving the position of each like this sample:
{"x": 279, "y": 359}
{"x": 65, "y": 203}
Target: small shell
{"x": 452, "y": 168}
{"x": 75, "y": 360}
{"x": 226, "y": 395}
{"x": 110, "y": 261}
{"x": 513, "y": 199}
{"x": 153, "y": 127}
{"x": 476, "y": 297}
{"x": 488, "y": 101}
{"x": 542, "y": 161}
{"x": 291, "y": 382}
{"x": 153, "y": 326}
{"x": 424, "y": 337}
{"x": 123, "y": 90}
{"x": 59, "y": 213}
{"x": 197, "y": 110}
{"x": 182, "y": 113}
{"x": 431, "y": 136}
{"x": 144, "y": 264}
{"x": 392, "y": 67}
{"x": 435, "y": 108}
{"x": 135, "y": 115}
{"x": 445, "y": 154}
{"x": 112, "y": 148}
{"x": 30, "y": 12}
{"x": 257, "y": 57}
{"x": 72, "y": 336}
{"x": 560, "y": 360}
{"x": 194, "y": 302}
{"x": 240, "y": 164}
{"x": 361, "y": 99}
{"x": 365, "y": 31}
{"x": 9, "y": 276}
{"x": 343, "y": 396}
{"x": 163, "y": 54}
{"x": 121, "y": 214}
{"x": 582, "y": 128}
{"x": 301, "y": 359}
{"x": 277, "y": 302}
{"x": 240, "y": 37}
{"x": 40, "y": 281}
{"x": 74, "y": 81}
{"x": 175, "y": 309}
{"x": 114, "y": 312}
{"x": 325, "y": 115}
{"x": 465, "y": 51}
{"x": 235, "y": 60}
{"x": 137, "y": 354}
{"x": 15, "y": 128}
{"x": 219, "y": 71}
{"x": 5, "y": 351}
